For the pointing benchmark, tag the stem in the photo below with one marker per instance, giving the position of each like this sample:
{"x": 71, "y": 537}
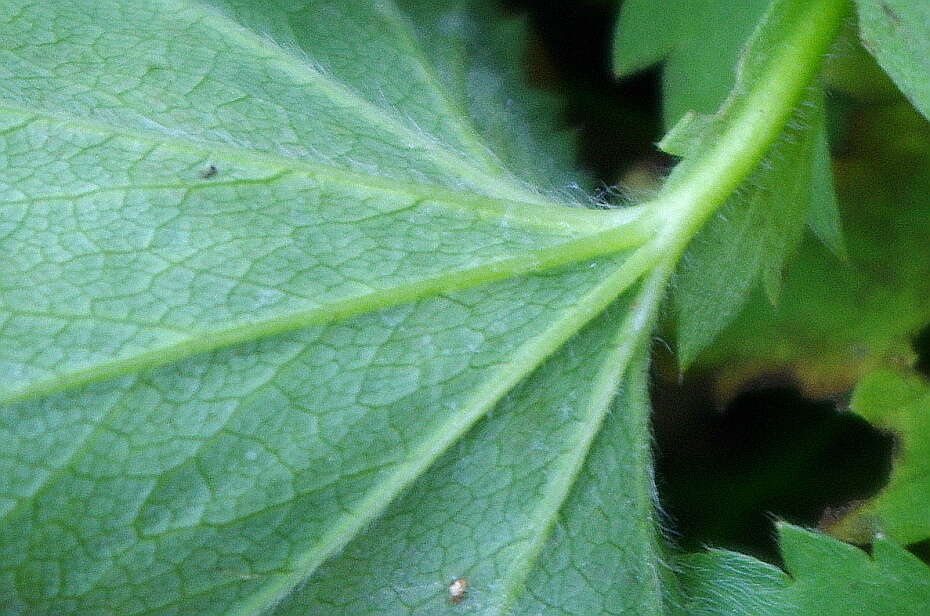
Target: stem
{"x": 795, "y": 36}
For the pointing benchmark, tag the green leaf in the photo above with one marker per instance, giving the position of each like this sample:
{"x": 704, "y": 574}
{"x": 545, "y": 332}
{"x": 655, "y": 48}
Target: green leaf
{"x": 251, "y": 294}
{"x": 702, "y": 45}
{"x": 748, "y": 241}
{"x": 477, "y": 56}
{"x": 223, "y": 480}
{"x": 827, "y": 578}
{"x": 900, "y": 405}
{"x": 699, "y": 40}
{"x": 837, "y": 321}
{"x": 544, "y": 506}
{"x": 322, "y": 203}
{"x": 270, "y": 262}
{"x": 754, "y": 235}
{"x": 897, "y": 33}
{"x": 685, "y": 137}
{"x": 823, "y": 215}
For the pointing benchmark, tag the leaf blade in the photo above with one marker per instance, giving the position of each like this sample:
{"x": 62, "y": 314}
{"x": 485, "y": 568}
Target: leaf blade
{"x": 218, "y": 474}
{"x": 723, "y": 582}
{"x": 231, "y": 237}
{"x": 896, "y": 32}
{"x": 900, "y": 405}
{"x": 517, "y": 495}
{"x": 257, "y": 449}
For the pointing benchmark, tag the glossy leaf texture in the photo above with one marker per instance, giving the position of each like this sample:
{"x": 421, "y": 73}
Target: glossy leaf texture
{"x": 898, "y": 404}
{"x": 270, "y": 265}
{"x": 721, "y": 583}
{"x": 897, "y": 33}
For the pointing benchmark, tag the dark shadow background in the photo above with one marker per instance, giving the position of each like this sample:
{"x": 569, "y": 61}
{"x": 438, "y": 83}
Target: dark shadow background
{"x": 724, "y": 474}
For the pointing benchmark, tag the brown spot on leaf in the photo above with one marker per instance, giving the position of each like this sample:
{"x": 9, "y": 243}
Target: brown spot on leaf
{"x": 833, "y": 514}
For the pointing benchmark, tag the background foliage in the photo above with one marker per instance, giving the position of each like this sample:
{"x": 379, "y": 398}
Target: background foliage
{"x": 308, "y": 311}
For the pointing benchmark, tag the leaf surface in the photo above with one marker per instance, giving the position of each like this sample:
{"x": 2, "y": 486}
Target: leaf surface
{"x": 283, "y": 280}
{"x": 264, "y": 273}
{"x": 537, "y": 514}
{"x": 898, "y": 404}
{"x": 852, "y": 582}
{"x": 229, "y": 209}
{"x": 897, "y": 33}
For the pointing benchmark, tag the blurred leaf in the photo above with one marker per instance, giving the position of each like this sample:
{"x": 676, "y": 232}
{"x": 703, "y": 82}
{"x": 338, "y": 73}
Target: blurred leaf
{"x": 823, "y": 215}
{"x": 897, "y": 33}
{"x": 825, "y": 577}
{"x": 686, "y": 135}
{"x": 852, "y": 70}
{"x": 900, "y": 405}
{"x": 749, "y": 240}
{"x": 837, "y": 321}
{"x": 699, "y": 40}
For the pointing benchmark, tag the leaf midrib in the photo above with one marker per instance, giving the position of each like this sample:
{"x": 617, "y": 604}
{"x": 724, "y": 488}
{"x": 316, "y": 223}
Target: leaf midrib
{"x": 627, "y": 341}
{"x": 606, "y": 242}
{"x": 605, "y": 234}
{"x": 547, "y": 215}
{"x": 523, "y": 362}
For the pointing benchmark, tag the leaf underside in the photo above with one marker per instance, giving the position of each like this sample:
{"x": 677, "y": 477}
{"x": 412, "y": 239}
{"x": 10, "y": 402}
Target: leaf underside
{"x": 263, "y": 283}
{"x": 284, "y": 329}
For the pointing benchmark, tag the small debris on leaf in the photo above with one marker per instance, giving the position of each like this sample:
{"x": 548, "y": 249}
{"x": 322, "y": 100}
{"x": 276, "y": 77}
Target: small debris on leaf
{"x": 457, "y": 590}
{"x": 208, "y": 172}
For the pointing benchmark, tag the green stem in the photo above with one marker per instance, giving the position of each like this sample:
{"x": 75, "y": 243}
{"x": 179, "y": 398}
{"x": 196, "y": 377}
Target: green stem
{"x": 794, "y": 38}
